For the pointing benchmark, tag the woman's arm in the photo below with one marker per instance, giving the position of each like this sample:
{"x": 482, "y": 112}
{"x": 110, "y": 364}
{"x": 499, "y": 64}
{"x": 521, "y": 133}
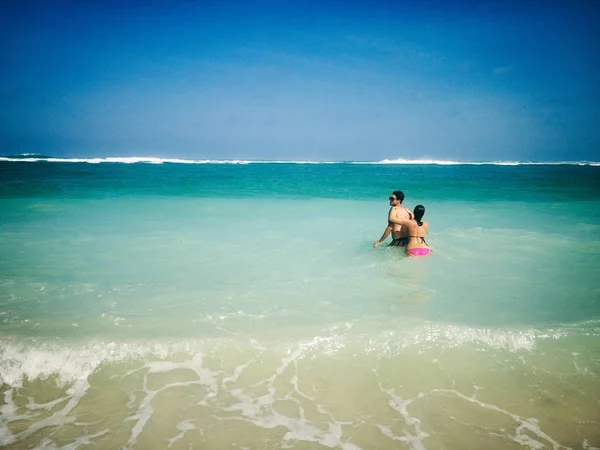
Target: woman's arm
{"x": 399, "y": 221}
{"x": 402, "y": 212}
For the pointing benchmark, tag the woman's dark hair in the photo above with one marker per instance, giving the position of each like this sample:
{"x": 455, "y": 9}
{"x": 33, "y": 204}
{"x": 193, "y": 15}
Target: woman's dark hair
{"x": 419, "y": 212}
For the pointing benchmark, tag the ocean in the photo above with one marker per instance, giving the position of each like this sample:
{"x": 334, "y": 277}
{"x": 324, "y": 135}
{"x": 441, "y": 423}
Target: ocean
{"x": 173, "y": 304}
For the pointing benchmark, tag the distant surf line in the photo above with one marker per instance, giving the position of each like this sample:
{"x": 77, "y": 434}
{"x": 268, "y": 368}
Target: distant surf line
{"x": 400, "y": 161}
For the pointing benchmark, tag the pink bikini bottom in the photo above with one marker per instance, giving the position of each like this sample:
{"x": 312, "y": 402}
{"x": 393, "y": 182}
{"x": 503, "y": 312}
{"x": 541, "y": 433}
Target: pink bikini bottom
{"x": 418, "y": 251}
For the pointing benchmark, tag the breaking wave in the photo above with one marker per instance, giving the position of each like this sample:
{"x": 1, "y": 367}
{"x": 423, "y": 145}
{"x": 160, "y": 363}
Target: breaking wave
{"x": 26, "y": 157}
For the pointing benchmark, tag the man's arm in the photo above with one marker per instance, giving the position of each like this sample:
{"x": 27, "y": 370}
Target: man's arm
{"x": 385, "y": 234}
{"x": 389, "y": 229}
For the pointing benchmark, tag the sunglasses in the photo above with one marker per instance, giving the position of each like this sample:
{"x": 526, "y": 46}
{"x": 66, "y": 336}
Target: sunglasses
{"x": 392, "y": 199}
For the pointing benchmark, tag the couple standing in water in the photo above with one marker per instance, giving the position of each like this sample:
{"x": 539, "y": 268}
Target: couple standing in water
{"x": 407, "y": 229}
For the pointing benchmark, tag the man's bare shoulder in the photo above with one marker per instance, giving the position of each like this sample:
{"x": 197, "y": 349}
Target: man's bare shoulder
{"x": 396, "y": 211}
{"x": 403, "y": 213}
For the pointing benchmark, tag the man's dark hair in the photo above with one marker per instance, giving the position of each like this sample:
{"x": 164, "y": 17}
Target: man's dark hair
{"x": 399, "y": 195}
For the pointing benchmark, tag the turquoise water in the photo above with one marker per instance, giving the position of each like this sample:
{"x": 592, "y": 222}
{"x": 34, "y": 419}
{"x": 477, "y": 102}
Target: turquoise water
{"x": 243, "y": 306}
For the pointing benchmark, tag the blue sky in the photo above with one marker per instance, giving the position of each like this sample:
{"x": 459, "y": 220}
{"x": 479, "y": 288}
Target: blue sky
{"x": 461, "y": 80}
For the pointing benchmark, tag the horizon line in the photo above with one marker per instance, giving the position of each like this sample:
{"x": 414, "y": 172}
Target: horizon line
{"x": 31, "y": 157}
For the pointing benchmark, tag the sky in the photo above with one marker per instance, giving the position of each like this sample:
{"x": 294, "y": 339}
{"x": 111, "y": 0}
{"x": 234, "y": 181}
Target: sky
{"x": 302, "y": 80}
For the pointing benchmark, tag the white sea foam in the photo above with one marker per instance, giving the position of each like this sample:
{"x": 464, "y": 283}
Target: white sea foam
{"x": 402, "y": 161}
{"x": 527, "y": 433}
{"x": 415, "y": 439}
{"x": 268, "y": 388}
{"x": 19, "y": 361}
{"x": 70, "y": 363}
{"x": 155, "y": 160}
{"x": 399, "y": 161}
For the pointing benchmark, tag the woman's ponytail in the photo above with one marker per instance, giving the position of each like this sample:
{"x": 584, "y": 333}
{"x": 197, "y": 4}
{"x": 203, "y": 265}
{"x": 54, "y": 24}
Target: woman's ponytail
{"x": 419, "y": 212}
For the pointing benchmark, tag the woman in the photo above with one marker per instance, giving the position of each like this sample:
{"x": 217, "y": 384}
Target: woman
{"x": 417, "y": 230}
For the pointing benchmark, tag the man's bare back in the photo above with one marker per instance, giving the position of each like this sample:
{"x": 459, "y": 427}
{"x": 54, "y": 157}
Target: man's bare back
{"x": 399, "y": 213}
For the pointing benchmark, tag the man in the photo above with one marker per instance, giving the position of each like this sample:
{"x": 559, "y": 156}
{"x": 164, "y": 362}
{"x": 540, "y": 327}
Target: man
{"x": 398, "y": 212}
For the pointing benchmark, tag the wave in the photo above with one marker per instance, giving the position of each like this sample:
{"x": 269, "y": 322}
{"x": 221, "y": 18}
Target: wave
{"x": 153, "y": 160}
{"x": 66, "y": 363}
{"x": 28, "y": 157}
{"x": 208, "y": 384}
{"x": 480, "y": 163}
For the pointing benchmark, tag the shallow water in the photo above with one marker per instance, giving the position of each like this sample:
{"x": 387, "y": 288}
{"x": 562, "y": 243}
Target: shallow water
{"x": 242, "y": 306}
